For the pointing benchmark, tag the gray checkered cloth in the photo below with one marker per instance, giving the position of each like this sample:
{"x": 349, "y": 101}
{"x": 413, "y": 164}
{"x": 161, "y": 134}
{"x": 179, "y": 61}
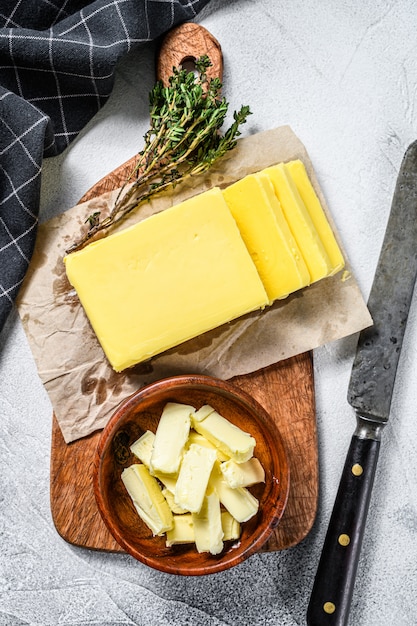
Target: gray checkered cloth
{"x": 57, "y": 61}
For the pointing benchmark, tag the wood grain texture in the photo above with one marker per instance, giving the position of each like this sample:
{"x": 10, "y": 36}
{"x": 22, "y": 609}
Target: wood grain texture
{"x": 188, "y": 42}
{"x": 285, "y": 390}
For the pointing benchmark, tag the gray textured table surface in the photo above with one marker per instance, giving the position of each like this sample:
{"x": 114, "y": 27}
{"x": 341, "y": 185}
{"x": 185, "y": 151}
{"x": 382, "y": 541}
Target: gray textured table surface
{"x": 344, "y": 76}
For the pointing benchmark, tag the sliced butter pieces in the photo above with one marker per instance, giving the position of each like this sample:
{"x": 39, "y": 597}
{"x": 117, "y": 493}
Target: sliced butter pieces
{"x": 231, "y": 527}
{"x": 193, "y": 477}
{"x": 182, "y": 530}
{"x": 142, "y": 447}
{"x": 227, "y": 437}
{"x": 207, "y": 525}
{"x": 170, "y": 438}
{"x": 195, "y": 437}
{"x": 265, "y": 231}
{"x": 240, "y": 502}
{"x": 300, "y": 222}
{"x": 147, "y": 498}
{"x": 297, "y": 171}
{"x": 244, "y": 474}
{"x": 204, "y": 499}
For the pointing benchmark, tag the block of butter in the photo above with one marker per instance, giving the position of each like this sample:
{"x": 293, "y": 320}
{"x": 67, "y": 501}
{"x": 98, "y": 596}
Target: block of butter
{"x": 267, "y": 235}
{"x": 167, "y": 279}
{"x": 147, "y": 498}
{"x": 227, "y": 437}
{"x": 240, "y": 502}
{"x": 195, "y": 437}
{"x": 300, "y": 222}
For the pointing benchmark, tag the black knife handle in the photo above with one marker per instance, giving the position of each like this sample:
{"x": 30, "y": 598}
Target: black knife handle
{"x": 335, "y": 578}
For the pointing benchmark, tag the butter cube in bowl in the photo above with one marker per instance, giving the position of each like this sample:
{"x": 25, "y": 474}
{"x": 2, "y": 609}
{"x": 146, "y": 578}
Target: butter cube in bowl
{"x": 191, "y": 475}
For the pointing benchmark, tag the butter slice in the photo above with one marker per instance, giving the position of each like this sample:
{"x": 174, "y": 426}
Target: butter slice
{"x": 243, "y": 474}
{"x": 229, "y": 438}
{"x": 299, "y": 175}
{"x": 170, "y": 438}
{"x": 169, "y": 497}
{"x": 193, "y": 477}
{"x": 167, "y": 279}
{"x": 300, "y": 223}
{"x": 203, "y": 412}
{"x": 208, "y": 530}
{"x": 181, "y": 532}
{"x": 266, "y": 233}
{"x": 195, "y": 437}
{"x": 240, "y": 502}
{"x": 142, "y": 447}
{"x": 147, "y": 498}
{"x": 231, "y": 527}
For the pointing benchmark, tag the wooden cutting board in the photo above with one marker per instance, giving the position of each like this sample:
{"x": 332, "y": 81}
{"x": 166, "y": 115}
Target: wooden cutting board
{"x": 286, "y": 390}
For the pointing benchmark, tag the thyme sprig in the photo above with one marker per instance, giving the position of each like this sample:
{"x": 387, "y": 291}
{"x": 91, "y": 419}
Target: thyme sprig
{"x": 183, "y": 140}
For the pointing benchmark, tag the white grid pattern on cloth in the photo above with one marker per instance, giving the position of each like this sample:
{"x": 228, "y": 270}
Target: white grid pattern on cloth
{"x": 57, "y": 62}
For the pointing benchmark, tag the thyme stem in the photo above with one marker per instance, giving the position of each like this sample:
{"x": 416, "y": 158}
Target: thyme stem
{"x": 183, "y": 140}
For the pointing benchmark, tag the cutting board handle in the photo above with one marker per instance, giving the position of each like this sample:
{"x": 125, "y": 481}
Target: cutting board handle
{"x": 184, "y": 44}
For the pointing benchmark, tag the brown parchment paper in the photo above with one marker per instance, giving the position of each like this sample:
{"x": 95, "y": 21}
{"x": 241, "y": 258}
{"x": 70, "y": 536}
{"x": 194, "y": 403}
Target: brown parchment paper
{"x": 82, "y": 386}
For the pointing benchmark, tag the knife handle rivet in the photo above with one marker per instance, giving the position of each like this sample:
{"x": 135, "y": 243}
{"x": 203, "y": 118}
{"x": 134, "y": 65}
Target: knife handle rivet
{"x": 357, "y": 469}
{"x": 329, "y": 607}
{"x": 344, "y": 540}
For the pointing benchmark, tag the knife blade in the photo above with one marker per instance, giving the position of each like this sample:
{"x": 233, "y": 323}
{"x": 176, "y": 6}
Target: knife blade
{"x": 370, "y": 392}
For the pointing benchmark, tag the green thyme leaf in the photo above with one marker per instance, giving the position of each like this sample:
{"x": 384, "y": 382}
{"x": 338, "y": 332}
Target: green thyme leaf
{"x": 184, "y": 139}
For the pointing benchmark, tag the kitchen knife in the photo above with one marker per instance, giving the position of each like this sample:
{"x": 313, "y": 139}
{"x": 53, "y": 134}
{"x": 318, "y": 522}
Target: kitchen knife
{"x": 370, "y": 392}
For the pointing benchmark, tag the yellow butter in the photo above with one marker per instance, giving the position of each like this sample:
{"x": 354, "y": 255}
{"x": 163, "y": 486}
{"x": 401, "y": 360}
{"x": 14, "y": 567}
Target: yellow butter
{"x": 240, "y": 502}
{"x": 300, "y": 222}
{"x": 181, "y": 532}
{"x": 231, "y": 527}
{"x": 207, "y": 524}
{"x": 168, "y": 480}
{"x": 299, "y": 175}
{"x": 203, "y": 412}
{"x": 193, "y": 477}
{"x": 266, "y": 233}
{"x": 165, "y": 280}
{"x": 142, "y": 447}
{"x": 195, "y": 437}
{"x": 244, "y": 474}
{"x": 169, "y": 497}
{"x": 227, "y": 437}
{"x": 147, "y": 498}
{"x": 170, "y": 438}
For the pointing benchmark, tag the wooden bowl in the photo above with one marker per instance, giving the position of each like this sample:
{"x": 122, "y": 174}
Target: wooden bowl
{"x": 141, "y": 411}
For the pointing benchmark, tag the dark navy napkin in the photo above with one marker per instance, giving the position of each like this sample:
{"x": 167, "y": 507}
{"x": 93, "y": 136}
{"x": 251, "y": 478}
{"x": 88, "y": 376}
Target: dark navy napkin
{"x": 57, "y": 62}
